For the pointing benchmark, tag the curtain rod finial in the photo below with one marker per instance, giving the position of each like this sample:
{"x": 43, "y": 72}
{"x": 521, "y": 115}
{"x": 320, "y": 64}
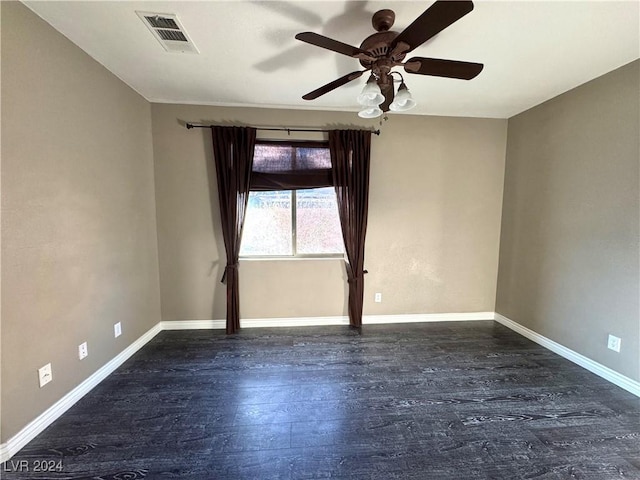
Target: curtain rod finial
{"x": 189, "y": 126}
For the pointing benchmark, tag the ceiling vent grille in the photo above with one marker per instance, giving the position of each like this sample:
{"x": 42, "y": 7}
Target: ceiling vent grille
{"x": 175, "y": 35}
{"x": 166, "y": 28}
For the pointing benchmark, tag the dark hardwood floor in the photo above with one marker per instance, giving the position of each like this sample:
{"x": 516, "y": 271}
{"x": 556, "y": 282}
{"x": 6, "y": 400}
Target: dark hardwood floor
{"x": 459, "y": 400}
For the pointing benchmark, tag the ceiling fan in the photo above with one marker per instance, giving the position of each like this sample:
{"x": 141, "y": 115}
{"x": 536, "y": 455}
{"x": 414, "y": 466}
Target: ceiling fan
{"x": 386, "y": 49}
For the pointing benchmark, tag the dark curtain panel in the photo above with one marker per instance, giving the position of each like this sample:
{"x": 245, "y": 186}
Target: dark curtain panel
{"x": 350, "y": 151}
{"x": 233, "y": 149}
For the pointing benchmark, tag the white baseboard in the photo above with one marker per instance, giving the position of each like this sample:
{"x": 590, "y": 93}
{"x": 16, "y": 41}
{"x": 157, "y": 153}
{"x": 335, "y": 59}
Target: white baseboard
{"x": 293, "y": 322}
{"x": 426, "y": 317}
{"x": 193, "y": 325}
{"x": 326, "y": 321}
{"x": 612, "y": 376}
{"x": 254, "y": 323}
{"x": 28, "y": 433}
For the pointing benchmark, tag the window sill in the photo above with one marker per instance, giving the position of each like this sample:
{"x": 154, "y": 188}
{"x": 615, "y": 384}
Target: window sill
{"x": 290, "y": 258}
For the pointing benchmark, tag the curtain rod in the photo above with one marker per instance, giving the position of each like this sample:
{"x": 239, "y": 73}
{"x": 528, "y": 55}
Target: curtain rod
{"x": 276, "y": 129}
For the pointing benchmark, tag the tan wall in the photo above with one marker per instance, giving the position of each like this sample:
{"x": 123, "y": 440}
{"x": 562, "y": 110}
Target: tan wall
{"x": 434, "y": 219}
{"x": 79, "y": 248}
{"x": 569, "y": 247}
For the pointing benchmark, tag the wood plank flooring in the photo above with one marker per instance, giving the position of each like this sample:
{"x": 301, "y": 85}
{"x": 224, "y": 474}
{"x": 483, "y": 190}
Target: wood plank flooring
{"x": 458, "y": 400}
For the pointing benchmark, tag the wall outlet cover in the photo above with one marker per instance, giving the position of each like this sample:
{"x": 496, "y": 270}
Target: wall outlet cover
{"x": 614, "y": 343}
{"x": 45, "y": 375}
{"x": 83, "y": 351}
{"x": 117, "y": 329}
{"x": 378, "y": 298}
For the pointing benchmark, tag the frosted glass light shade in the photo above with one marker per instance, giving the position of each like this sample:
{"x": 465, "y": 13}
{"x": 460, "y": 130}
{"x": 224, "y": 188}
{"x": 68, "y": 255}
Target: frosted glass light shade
{"x": 371, "y": 95}
{"x": 371, "y": 112}
{"x": 403, "y": 100}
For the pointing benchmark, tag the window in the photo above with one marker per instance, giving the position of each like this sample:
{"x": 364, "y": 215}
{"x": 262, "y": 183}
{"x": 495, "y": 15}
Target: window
{"x": 292, "y": 221}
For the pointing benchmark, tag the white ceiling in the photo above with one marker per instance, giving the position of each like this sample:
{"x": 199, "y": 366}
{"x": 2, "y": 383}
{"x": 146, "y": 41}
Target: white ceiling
{"x": 532, "y": 51}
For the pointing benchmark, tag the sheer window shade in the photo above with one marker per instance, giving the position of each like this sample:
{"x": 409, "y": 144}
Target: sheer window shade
{"x": 291, "y": 166}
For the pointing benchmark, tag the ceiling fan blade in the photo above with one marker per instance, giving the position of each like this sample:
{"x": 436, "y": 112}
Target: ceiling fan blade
{"x": 443, "y": 68}
{"x": 333, "y": 85}
{"x": 330, "y": 44}
{"x": 432, "y": 21}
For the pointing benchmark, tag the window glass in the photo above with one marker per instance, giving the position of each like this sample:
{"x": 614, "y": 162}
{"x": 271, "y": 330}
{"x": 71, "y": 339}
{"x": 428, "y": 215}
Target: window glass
{"x": 317, "y": 222}
{"x": 268, "y": 227}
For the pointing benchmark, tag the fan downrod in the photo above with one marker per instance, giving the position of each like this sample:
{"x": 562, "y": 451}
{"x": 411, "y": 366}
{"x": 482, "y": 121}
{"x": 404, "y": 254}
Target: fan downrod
{"x": 378, "y": 44}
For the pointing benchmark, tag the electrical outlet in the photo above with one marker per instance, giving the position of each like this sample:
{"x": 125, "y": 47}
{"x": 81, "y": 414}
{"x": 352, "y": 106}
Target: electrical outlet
{"x": 117, "y": 329}
{"x": 45, "y": 375}
{"x": 83, "y": 351}
{"x": 378, "y": 298}
{"x": 614, "y": 343}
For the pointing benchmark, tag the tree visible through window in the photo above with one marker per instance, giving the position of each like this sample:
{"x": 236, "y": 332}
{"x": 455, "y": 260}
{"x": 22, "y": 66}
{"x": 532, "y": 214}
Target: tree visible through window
{"x": 293, "y": 222}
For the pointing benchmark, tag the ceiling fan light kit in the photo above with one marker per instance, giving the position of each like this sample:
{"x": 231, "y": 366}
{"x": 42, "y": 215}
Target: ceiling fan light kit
{"x": 403, "y": 100}
{"x": 370, "y": 112}
{"x": 371, "y": 98}
{"x": 371, "y": 95}
{"x": 386, "y": 49}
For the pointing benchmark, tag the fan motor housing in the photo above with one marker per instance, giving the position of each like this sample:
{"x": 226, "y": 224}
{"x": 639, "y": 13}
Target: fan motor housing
{"x": 378, "y": 46}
